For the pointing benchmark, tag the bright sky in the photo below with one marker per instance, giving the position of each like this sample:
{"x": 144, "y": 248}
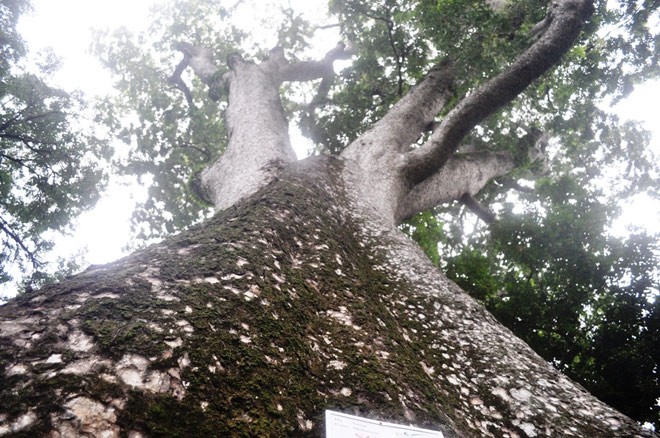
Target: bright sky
{"x": 65, "y": 25}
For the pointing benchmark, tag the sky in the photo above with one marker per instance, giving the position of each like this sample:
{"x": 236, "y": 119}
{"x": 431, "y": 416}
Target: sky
{"x": 66, "y": 26}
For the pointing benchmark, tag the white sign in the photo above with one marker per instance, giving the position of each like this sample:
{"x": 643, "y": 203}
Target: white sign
{"x": 338, "y": 425}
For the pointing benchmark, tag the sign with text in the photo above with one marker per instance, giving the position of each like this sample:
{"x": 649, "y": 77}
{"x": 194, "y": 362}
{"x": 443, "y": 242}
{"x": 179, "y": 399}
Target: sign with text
{"x": 338, "y": 425}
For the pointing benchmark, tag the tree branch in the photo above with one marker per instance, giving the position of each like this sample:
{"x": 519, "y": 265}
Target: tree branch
{"x": 309, "y": 70}
{"x": 178, "y": 82}
{"x": 5, "y": 227}
{"x": 18, "y": 117}
{"x": 397, "y": 55}
{"x": 308, "y": 122}
{"x": 328, "y": 26}
{"x": 468, "y": 171}
{"x": 201, "y": 60}
{"x": 475, "y": 207}
{"x": 407, "y": 119}
{"x": 562, "y": 30}
{"x": 27, "y": 140}
{"x": 9, "y": 122}
{"x": 259, "y": 141}
{"x": 462, "y": 174}
{"x": 258, "y": 130}
{"x": 510, "y": 183}
{"x": 17, "y": 161}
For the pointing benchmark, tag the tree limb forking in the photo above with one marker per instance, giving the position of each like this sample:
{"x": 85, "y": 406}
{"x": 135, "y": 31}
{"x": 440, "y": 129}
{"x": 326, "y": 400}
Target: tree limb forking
{"x": 409, "y": 117}
{"x": 468, "y": 171}
{"x": 178, "y": 82}
{"x": 258, "y": 130}
{"x": 309, "y": 70}
{"x": 568, "y": 17}
{"x": 201, "y": 60}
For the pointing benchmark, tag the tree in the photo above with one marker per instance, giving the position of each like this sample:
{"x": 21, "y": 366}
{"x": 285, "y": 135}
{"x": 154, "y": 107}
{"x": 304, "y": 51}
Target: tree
{"x": 555, "y": 293}
{"x": 300, "y": 294}
{"x": 49, "y": 167}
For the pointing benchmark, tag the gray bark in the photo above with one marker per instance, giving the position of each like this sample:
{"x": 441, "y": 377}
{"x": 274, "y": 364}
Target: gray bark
{"x": 303, "y": 296}
{"x": 380, "y": 153}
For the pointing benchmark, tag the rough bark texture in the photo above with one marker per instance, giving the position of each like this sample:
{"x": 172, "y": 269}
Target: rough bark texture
{"x": 287, "y": 304}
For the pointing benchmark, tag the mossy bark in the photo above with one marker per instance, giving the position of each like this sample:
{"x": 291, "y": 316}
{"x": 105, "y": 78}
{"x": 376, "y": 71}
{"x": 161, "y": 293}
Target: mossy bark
{"x": 257, "y": 321}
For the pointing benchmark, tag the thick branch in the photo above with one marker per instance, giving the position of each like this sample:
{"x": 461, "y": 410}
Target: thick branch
{"x": 201, "y": 60}
{"x": 567, "y": 17}
{"x": 467, "y": 172}
{"x": 407, "y": 119}
{"x": 258, "y": 133}
{"x": 258, "y": 130}
{"x": 462, "y": 174}
{"x": 379, "y": 154}
{"x": 308, "y": 121}
{"x": 309, "y": 70}
{"x": 511, "y": 183}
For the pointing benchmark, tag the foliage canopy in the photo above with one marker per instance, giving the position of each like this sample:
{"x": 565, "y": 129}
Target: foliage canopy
{"x": 49, "y": 162}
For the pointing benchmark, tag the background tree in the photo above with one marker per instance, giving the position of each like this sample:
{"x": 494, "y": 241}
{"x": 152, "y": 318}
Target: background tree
{"x": 49, "y": 164}
{"x": 300, "y": 294}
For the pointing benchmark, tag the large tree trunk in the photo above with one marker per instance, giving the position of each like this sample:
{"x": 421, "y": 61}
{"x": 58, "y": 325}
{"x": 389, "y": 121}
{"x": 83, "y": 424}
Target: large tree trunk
{"x": 287, "y": 304}
{"x": 300, "y": 295}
